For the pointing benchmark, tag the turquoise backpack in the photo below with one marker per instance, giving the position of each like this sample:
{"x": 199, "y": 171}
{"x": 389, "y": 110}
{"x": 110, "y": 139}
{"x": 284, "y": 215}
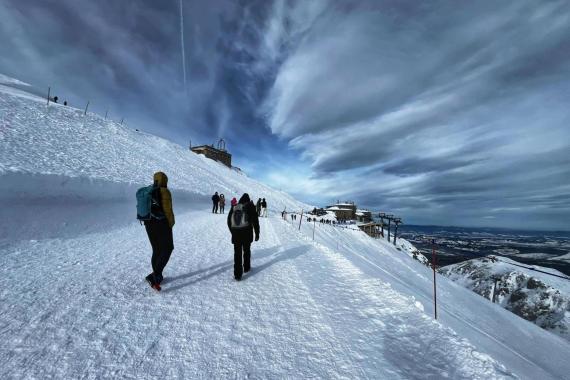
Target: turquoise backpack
{"x": 145, "y": 202}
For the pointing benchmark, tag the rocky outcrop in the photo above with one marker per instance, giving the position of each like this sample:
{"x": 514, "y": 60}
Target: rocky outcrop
{"x": 534, "y": 296}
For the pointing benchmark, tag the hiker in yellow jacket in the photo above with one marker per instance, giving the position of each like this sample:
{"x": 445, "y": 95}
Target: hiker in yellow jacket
{"x": 159, "y": 229}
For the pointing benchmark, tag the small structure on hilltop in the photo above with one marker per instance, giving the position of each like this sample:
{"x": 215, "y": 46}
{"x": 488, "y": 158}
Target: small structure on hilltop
{"x": 344, "y": 210}
{"x": 363, "y": 216}
{"x": 371, "y": 229}
{"x": 318, "y": 212}
{"x": 219, "y": 154}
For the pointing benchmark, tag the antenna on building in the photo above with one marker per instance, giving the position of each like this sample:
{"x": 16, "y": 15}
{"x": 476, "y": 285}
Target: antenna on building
{"x": 222, "y": 145}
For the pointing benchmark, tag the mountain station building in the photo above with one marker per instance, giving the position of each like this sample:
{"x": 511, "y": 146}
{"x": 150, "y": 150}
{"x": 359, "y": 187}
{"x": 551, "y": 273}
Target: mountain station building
{"x": 219, "y": 154}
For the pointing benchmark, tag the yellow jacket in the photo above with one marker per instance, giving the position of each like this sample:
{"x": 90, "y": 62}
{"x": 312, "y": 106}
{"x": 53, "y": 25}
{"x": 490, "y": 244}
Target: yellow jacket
{"x": 161, "y": 180}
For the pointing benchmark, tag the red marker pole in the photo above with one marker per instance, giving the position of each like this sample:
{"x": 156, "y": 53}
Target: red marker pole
{"x": 434, "y": 263}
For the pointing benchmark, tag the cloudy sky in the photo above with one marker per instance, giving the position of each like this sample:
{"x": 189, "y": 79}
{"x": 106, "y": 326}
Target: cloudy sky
{"x": 443, "y": 112}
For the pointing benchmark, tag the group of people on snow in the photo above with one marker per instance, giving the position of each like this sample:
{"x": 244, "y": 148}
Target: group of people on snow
{"x": 154, "y": 209}
{"x": 55, "y": 99}
{"x": 219, "y": 203}
{"x": 261, "y": 207}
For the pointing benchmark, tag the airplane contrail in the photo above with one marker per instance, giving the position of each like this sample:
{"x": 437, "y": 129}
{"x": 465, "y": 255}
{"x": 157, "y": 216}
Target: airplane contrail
{"x": 182, "y": 43}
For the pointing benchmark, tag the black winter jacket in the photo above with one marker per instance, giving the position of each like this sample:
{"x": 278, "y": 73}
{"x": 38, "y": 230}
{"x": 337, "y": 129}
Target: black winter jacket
{"x": 245, "y": 235}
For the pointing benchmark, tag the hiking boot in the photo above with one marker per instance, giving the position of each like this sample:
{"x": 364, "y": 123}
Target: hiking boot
{"x": 154, "y": 285}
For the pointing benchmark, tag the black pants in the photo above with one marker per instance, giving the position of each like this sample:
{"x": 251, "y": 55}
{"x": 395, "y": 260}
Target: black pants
{"x": 242, "y": 258}
{"x": 222, "y": 208}
{"x": 215, "y": 207}
{"x": 160, "y": 236}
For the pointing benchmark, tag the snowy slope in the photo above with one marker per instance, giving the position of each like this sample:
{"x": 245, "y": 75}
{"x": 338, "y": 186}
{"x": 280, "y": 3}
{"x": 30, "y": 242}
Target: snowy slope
{"x": 52, "y": 155}
{"x": 74, "y": 303}
{"x": 534, "y": 296}
{"x": 6, "y": 80}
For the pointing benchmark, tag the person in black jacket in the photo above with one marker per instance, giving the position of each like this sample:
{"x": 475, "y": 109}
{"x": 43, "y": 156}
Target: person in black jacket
{"x": 216, "y": 201}
{"x": 243, "y": 222}
{"x": 258, "y": 207}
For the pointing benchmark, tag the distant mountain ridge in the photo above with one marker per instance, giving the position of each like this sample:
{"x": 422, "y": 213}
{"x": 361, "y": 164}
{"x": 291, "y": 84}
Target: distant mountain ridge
{"x": 532, "y": 295}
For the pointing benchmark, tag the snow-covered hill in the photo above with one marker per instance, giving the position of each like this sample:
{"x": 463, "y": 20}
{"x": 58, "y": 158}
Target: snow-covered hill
{"x": 52, "y": 155}
{"x": 342, "y": 305}
{"x": 530, "y": 294}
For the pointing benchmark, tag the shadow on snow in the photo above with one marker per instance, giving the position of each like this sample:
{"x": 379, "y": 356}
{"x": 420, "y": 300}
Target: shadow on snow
{"x": 274, "y": 254}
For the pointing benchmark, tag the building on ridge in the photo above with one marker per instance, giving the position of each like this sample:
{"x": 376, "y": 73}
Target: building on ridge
{"x": 363, "y": 216}
{"x": 344, "y": 211}
{"x": 219, "y": 153}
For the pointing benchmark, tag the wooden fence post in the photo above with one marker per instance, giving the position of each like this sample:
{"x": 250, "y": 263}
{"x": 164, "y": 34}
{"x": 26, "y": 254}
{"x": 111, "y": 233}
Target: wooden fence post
{"x": 300, "y": 219}
{"x": 49, "y": 90}
{"x": 87, "y": 106}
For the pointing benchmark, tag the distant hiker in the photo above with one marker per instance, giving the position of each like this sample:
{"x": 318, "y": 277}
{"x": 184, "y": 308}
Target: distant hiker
{"x": 233, "y": 202}
{"x": 154, "y": 207}
{"x": 65, "y": 102}
{"x": 258, "y": 206}
{"x": 215, "y": 201}
{"x": 55, "y": 99}
{"x": 264, "y": 208}
{"x": 222, "y": 203}
{"x": 243, "y": 222}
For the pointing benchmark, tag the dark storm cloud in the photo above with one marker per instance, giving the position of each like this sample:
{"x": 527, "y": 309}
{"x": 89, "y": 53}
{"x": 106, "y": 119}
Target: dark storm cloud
{"x": 440, "y": 111}
{"x": 122, "y": 55}
{"x": 455, "y": 109}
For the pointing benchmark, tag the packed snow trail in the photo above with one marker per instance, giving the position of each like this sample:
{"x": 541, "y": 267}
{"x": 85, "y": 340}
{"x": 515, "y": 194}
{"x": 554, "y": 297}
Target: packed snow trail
{"x": 531, "y": 351}
{"x": 79, "y": 308}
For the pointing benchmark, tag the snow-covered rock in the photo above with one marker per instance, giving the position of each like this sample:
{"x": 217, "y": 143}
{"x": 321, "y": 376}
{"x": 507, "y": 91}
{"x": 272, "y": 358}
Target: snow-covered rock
{"x": 412, "y": 251}
{"x": 530, "y": 294}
